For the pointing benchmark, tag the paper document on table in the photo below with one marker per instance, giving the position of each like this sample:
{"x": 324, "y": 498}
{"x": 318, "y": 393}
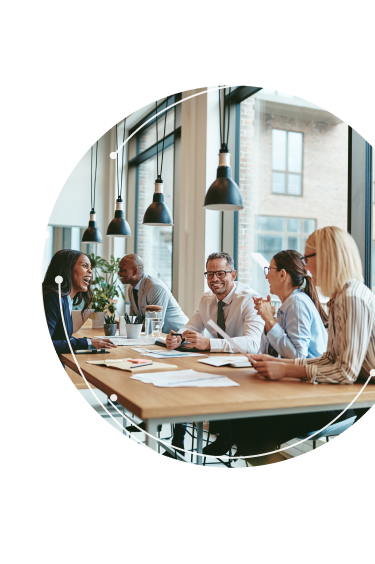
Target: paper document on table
{"x": 225, "y": 336}
{"x": 185, "y": 378}
{"x": 224, "y": 360}
{"x": 125, "y": 342}
{"x": 154, "y": 353}
{"x": 127, "y": 364}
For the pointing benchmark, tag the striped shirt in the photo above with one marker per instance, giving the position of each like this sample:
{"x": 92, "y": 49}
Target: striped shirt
{"x": 351, "y": 338}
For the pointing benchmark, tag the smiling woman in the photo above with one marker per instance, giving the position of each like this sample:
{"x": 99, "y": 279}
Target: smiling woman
{"x": 75, "y": 269}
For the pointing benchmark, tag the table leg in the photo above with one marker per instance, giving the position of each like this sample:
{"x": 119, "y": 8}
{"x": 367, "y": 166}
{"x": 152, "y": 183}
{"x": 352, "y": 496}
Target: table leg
{"x": 199, "y": 441}
{"x": 151, "y": 428}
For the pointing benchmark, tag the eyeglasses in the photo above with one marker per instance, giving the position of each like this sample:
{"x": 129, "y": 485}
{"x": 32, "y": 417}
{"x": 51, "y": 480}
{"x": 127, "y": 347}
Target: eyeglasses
{"x": 304, "y": 259}
{"x": 219, "y": 273}
{"x": 267, "y": 269}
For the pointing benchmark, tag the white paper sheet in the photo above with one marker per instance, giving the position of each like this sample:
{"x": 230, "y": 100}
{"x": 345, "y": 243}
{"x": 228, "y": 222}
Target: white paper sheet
{"x": 223, "y": 360}
{"x": 184, "y": 378}
{"x": 164, "y": 354}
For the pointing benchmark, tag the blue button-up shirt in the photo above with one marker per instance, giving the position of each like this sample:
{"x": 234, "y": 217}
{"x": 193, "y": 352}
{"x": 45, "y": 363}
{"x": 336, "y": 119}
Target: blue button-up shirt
{"x": 299, "y": 331}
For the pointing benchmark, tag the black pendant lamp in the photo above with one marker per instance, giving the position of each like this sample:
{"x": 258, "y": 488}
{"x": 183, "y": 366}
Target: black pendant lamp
{"x": 119, "y": 227}
{"x": 224, "y": 194}
{"x": 158, "y": 214}
{"x": 92, "y": 233}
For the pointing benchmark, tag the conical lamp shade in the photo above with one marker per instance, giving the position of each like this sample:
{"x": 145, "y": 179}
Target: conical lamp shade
{"x": 223, "y": 194}
{"x": 119, "y": 227}
{"x": 92, "y": 233}
{"x": 158, "y": 214}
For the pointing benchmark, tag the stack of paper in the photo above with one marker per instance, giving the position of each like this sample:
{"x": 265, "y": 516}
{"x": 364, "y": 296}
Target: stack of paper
{"x": 184, "y": 379}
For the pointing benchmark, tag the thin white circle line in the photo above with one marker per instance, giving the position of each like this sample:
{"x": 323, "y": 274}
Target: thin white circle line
{"x": 247, "y": 84}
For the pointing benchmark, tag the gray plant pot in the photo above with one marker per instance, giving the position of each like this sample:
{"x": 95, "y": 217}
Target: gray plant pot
{"x": 110, "y": 329}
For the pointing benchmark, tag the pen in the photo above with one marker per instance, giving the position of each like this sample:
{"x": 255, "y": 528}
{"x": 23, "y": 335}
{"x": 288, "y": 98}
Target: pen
{"x": 178, "y": 335}
{"x": 92, "y": 351}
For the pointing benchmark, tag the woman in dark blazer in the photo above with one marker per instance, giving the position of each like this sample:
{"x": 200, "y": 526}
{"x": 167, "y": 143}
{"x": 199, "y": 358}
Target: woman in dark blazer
{"x": 75, "y": 269}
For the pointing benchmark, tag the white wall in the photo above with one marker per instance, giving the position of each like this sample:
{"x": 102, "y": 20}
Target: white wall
{"x": 196, "y": 230}
{"x": 73, "y": 205}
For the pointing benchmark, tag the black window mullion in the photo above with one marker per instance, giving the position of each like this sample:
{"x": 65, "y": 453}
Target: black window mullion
{"x": 359, "y": 198}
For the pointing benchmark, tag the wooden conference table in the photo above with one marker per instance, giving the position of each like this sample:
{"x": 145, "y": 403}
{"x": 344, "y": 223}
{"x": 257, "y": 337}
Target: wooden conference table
{"x": 253, "y": 397}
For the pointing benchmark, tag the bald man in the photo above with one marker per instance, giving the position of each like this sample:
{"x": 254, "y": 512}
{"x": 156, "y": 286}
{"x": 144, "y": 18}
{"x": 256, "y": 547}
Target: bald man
{"x": 147, "y": 290}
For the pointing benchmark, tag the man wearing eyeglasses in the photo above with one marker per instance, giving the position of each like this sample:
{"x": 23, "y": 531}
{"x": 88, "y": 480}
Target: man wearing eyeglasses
{"x": 231, "y": 305}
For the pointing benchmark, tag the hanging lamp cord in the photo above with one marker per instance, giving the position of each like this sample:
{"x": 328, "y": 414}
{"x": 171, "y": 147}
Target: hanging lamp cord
{"x": 222, "y": 129}
{"x": 96, "y": 166}
{"x": 162, "y": 151}
{"x": 122, "y": 161}
{"x": 91, "y": 176}
{"x": 228, "y": 110}
{"x": 117, "y": 160}
{"x": 157, "y": 142}
{"x": 221, "y": 135}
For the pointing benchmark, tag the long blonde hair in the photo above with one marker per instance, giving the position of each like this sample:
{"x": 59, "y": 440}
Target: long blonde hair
{"x": 337, "y": 258}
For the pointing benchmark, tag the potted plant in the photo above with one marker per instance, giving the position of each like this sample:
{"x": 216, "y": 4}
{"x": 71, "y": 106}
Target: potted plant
{"x": 106, "y": 287}
{"x": 110, "y": 324}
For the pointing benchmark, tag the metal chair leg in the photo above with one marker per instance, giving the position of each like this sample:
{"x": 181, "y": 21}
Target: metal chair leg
{"x": 192, "y": 444}
{"x": 208, "y": 438}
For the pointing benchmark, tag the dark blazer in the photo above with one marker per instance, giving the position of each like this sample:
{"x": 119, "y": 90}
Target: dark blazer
{"x": 55, "y": 325}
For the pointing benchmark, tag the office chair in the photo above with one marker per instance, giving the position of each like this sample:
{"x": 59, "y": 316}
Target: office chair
{"x": 331, "y": 431}
{"x": 228, "y": 464}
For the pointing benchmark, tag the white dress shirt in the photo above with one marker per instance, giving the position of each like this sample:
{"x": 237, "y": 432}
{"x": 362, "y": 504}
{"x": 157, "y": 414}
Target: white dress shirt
{"x": 242, "y": 322}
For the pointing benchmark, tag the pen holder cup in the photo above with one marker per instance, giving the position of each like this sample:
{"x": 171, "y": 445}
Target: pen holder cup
{"x": 133, "y": 331}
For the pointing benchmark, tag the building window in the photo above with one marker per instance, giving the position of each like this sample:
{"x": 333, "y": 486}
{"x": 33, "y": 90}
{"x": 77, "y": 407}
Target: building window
{"x": 287, "y": 151}
{"x": 274, "y": 234}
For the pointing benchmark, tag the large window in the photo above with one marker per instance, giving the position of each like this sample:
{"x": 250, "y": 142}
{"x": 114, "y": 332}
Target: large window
{"x": 273, "y": 234}
{"x": 154, "y": 244}
{"x": 287, "y": 147}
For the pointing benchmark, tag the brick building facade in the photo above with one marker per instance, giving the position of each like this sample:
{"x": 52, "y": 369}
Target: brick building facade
{"x": 272, "y": 221}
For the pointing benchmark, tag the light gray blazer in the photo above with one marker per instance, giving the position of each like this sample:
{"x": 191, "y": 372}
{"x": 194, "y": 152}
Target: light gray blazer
{"x": 153, "y": 291}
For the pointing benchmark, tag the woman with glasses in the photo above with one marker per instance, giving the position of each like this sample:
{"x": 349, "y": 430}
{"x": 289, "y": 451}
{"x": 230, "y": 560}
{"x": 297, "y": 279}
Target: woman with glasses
{"x": 332, "y": 257}
{"x": 298, "y": 331}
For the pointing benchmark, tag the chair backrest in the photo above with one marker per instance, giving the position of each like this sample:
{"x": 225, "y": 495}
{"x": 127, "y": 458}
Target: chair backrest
{"x": 333, "y": 430}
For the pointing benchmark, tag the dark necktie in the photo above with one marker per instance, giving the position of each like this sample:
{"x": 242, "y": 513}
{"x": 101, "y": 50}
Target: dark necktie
{"x": 135, "y": 296}
{"x": 220, "y": 317}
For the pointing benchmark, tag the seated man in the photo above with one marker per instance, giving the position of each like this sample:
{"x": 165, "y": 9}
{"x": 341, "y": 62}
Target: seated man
{"x": 147, "y": 290}
{"x": 231, "y": 305}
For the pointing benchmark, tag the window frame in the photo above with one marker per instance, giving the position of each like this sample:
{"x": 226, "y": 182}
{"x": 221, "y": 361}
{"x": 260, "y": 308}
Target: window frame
{"x": 286, "y": 171}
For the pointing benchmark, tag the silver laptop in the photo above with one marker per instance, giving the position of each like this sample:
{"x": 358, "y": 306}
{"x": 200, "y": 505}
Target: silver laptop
{"x": 78, "y": 320}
